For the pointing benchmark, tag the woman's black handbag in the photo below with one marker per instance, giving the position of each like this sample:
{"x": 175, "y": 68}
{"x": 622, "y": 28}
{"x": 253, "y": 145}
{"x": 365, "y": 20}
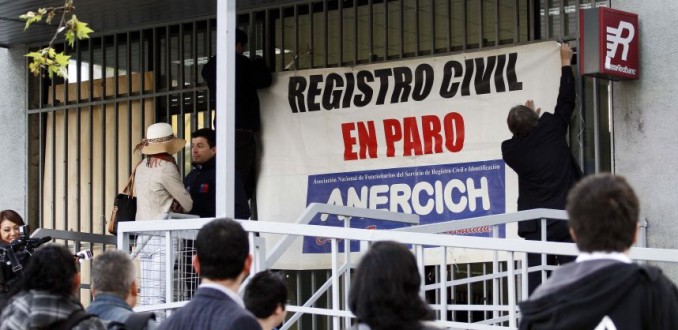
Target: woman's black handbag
{"x": 124, "y": 206}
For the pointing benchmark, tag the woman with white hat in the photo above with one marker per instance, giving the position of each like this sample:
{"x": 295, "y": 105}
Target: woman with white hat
{"x": 157, "y": 183}
{"x": 159, "y": 189}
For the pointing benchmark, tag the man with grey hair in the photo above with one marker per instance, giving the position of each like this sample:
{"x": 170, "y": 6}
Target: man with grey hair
{"x": 115, "y": 291}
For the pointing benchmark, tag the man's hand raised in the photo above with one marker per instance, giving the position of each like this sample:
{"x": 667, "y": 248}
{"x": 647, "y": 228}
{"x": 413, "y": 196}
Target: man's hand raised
{"x": 530, "y": 104}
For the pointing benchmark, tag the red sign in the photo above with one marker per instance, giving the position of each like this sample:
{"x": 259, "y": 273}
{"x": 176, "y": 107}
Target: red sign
{"x": 609, "y": 44}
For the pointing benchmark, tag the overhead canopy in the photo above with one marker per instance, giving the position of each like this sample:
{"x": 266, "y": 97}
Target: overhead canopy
{"x": 106, "y": 15}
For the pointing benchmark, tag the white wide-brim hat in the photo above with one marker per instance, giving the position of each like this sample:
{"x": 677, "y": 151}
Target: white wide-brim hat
{"x": 160, "y": 139}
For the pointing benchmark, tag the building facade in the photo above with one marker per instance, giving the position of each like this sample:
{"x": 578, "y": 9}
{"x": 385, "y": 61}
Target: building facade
{"x": 68, "y": 145}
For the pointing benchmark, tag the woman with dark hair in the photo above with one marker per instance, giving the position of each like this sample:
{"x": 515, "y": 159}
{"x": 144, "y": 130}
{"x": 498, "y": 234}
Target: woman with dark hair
{"x": 10, "y": 222}
{"x": 385, "y": 290}
{"x": 46, "y": 294}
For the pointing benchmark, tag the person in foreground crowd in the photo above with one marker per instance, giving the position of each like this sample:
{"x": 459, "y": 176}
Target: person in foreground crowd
{"x": 266, "y": 297}
{"x": 114, "y": 288}
{"x": 46, "y": 296}
{"x": 603, "y": 289}
{"x": 223, "y": 262}
{"x": 385, "y": 291}
{"x": 538, "y": 152}
{"x": 10, "y": 222}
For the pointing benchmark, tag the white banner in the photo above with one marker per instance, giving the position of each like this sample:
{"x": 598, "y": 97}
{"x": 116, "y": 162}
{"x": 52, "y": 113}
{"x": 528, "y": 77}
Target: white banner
{"x": 416, "y": 136}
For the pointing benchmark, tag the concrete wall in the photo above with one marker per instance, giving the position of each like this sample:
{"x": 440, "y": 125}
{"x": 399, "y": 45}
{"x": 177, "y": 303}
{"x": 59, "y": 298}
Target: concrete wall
{"x": 646, "y": 118}
{"x": 13, "y": 130}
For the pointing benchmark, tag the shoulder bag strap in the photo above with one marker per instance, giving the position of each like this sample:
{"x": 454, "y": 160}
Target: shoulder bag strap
{"x": 129, "y": 188}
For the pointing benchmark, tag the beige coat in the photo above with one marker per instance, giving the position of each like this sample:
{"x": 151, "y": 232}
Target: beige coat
{"x": 156, "y": 188}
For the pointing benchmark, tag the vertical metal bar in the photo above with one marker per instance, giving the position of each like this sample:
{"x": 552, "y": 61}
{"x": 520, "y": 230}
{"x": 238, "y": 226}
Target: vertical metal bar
{"x": 169, "y": 266}
{"x": 371, "y": 24}
{"x": 596, "y": 125}
{"x": 610, "y": 114}
{"x": 543, "y": 255}
{"x": 469, "y": 299}
{"x": 465, "y": 25}
{"x": 516, "y": 21}
{"x": 116, "y": 94}
{"x": 497, "y": 23}
{"x": 511, "y": 290}
{"x": 226, "y": 107}
{"x": 402, "y": 28}
{"x": 443, "y": 285}
{"x": 340, "y": 13}
{"x": 355, "y": 32}
{"x": 495, "y": 277}
{"x": 281, "y": 14}
{"x": 347, "y": 274}
{"x": 78, "y": 151}
{"x": 417, "y": 30}
{"x": 561, "y": 14}
{"x": 485, "y": 289}
{"x": 103, "y": 123}
{"x": 547, "y": 20}
{"x": 433, "y": 26}
{"x": 65, "y": 165}
{"x": 524, "y": 285}
{"x": 194, "y": 78}
{"x": 481, "y": 26}
{"x": 314, "y": 319}
{"x": 335, "y": 283}
{"x": 90, "y": 86}
{"x": 326, "y": 32}
{"x": 448, "y": 21}
{"x": 311, "y": 22}
{"x": 385, "y": 31}
{"x": 299, "y": 288}
{"x": 419, "y": 255}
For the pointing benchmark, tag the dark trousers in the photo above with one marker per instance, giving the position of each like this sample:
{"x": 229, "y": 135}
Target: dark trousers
{"x": 555, "y": 232}
{"x": 245, "y": 159}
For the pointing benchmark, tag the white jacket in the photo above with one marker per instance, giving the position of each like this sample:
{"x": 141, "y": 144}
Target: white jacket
{"x": 156, "y": 188}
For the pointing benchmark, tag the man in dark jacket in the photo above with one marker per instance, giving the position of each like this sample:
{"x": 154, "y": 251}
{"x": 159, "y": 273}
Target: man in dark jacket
{"x": 539, "y": 154}
{"x": 201, "y": 181}
{"x": 250, "y": 75}
{"x": 201, "y": 184}
{"x": 603, "y": 289}
{"x": 223, "y": 261}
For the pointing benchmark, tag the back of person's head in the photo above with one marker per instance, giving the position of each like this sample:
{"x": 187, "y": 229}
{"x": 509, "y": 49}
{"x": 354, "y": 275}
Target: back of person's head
{"x": 240, "y": 37}
{"x": 385, "y": 289}
{"x": 222, "y": 248}
{"x": 603, "y": 211}
{"x": 51, "y": 268}
{"x": 208, "y": 134}
{"x": 12, "y": 216}
{"x": 264, "y": 293}
{"x": 522, "y": 120}
{"x": 113, "y": 272}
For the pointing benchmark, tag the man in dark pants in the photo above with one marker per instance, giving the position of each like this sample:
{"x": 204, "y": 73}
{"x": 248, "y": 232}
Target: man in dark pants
{"x": 250, "y": 75}
{"x": 538, "y": 152}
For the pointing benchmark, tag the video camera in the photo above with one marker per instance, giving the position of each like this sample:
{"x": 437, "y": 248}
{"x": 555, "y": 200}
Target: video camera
{"x": 14, "y": 256}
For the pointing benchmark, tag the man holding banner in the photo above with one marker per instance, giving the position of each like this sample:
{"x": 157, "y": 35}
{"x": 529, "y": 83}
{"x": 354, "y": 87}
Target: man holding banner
{"x": 538, "y": 152}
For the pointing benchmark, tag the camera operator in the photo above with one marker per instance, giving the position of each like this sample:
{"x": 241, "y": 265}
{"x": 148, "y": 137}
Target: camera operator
{"x": 10, "y": 223}
{"x": 46, "y": 295}
{"x": 15, "y": 253}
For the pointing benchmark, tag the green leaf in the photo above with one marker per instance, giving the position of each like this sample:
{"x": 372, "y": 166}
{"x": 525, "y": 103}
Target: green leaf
{"x": 70, "y": 37}
{"x": 62, "y": 59}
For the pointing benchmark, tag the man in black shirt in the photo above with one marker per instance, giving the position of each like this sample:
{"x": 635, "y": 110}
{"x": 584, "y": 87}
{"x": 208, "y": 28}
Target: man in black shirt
{"x": 251, "y": 74}
{"x": 538, "y": 152}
